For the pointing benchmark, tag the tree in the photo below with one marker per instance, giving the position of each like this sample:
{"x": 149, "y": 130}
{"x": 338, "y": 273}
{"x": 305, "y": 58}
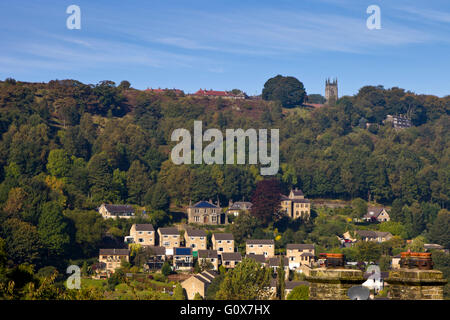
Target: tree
{"x": 166, "y": 269}
{"x": 22, "y": 241}
{"x": 316, "y": 98}
{"x": 138, "y": 182}
{"x": 125, "y": 84}
{"x": 281, "y": 284}
{"x": 266, "y": 200}
{"x": 359, "y": 207}
{"x": 299, "y": 293}
{"x": 158, "y": 197}
{"x": 52, "y": 229}
{"x": 368, "y": 251}
{"x": 59, "y": 163}
{"x": 244, "y": 226}
{"x": 288, "y": 90}
{"x": 440, "y": 229}
{"x": 179, "y": 293}
{"x": 247, "y": 281}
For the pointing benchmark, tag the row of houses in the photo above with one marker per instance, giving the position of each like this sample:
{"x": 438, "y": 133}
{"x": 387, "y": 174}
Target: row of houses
{"x": 294, "y": 205}
{"x": 194, "y": 245}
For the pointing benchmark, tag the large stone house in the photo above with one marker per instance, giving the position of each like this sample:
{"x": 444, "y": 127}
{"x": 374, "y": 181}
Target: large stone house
{"x": 198, "y": 283}
{"x": 300, "y": 254}
{"x": 169, "y": 238}
{"x": 116, "y": 211}
{"x": 265, "y": 247}
{"x": 156, "y": 259}
{"x": 110, "y": 260}
{"x": 206, "y": 213}
{"x": 222, "y": 242}
{"x": 274, "y": 264}
{"x": 295, "y": 205}
{"x": 376, "y": 214}
{"x": 195, "y": 239}
{"x": 143, "y": 234}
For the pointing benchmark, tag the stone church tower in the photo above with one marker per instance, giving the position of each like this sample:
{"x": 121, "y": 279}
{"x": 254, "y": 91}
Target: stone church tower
{"x": 331, "y": 91}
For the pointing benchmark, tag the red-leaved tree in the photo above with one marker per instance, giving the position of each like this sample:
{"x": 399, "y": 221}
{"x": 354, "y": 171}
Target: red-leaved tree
{"x": 266, "y": 200}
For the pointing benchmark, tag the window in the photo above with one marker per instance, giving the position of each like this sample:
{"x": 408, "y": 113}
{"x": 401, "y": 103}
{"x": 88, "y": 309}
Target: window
{"x": 229, "y": 241}
{"x": 166, "y": 244}
{"x": 140, "y": 240}
{"x": 201, "y": 238}
{"x": 174, "y": 237}
{"x": 140, "y": 232}
{"x": 219, "y": 241}
{"x": 227, "y": 263}
{"x": 260, "y": 246}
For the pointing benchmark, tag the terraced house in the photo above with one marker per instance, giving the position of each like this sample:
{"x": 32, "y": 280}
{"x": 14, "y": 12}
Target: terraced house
{"x": 110, "y": 260}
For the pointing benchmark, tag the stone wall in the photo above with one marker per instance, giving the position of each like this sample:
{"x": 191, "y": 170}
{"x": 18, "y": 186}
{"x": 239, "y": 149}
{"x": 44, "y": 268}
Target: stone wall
{"x": 332, "y": 284}
{"x": 415, "y": 284}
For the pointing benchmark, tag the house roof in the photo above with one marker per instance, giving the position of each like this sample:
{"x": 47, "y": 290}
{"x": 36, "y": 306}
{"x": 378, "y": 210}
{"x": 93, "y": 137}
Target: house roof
{"x": 195, "y": 232}
{"x": 297, "y": 192}
{"x": 182, "y": 251}
{"x": 236, "y": 256}
{"x": 307, "y": 254}
{"x": 241, "y": 205}
{"x": 372, "y": 234}
{"x": 299, "y": 246}
{"x": 207, "y": 254}
{"x": 261, "y": 241}
{"x": 144, "y": 227}
{"x": 115, "y": 252}
{"x": 257, "y": 257}
{"x": 223, "y": 236}
{"x": 156, "y": 250}
{"x": 275, "y": 261}
{"x": 204, "y": 204}
{"x": 373, "y": 212}
{"x": 202, "y": 279}
{"x": 169, "y": 231}
{"x": 119, "y": 208}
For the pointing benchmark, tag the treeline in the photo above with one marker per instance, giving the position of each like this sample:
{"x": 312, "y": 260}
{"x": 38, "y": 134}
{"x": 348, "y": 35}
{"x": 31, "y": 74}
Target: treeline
{"x": 67, "y": 147}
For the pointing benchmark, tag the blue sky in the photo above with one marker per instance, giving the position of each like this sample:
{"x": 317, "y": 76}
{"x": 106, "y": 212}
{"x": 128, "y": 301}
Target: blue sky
{"x": 230, "y": 44}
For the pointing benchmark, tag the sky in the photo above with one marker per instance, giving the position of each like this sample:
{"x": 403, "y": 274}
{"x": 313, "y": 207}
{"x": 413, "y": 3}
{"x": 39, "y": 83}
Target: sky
{"x": 223, "y": 45}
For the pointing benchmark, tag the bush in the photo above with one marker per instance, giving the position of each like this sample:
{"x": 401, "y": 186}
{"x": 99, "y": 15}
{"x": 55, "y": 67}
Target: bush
{"x": 299, "y": 293}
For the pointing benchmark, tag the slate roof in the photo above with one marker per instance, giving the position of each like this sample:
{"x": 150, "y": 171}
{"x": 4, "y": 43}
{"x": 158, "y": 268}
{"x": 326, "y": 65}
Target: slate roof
{"x": 207, "y": 254}
{"x": 241, "y": 205}
{"x": 204, "y": 204}
{"x": 372, "y": 234}
{"x": 169, "y": 231}
{"x": 119, "y": 208}
{"x": 223, "y": 236}
{"x": 144, "y": 227}
{"x": 156, "y": 250}
{"x": 300, "y": 246}
{"x": 114, "y": 252}
{"x": 373, "y": 212}
{"x": 261, "y": 241}
{"x": 195, "y": 232}
{"x": 257, "y": 257}
{"x": 275, "y": 262}
{"x": 297, "y": 192}
{"x": 236, "y": 256}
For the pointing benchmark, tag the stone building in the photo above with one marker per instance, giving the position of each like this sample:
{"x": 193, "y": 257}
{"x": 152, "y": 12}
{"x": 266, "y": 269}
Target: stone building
{"x": 209, "y": 256}
{"x": 376, "y": 214}
{"x": 295, "y": 205}
{"x": 143, "y": 234}
{"x": 222, "y": 242}
{"x": 169, "y": 238}
{"x": 195, "y": 239}
{"x": 230, "y": 259}
{"x": 115, "y": 211}
{"x": 111, "y": 259}
{"x": 238, "y": 207}
{"x": 206, "y": 213}
{"x": 265, "y": 247}
{"x": 198, "y": 283}
{"x": 331, "y": 91}
{"x": 300, "y": 254}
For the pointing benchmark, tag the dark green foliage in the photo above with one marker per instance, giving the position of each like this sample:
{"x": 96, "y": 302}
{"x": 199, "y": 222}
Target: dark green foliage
{"x": 288, "y": 90}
